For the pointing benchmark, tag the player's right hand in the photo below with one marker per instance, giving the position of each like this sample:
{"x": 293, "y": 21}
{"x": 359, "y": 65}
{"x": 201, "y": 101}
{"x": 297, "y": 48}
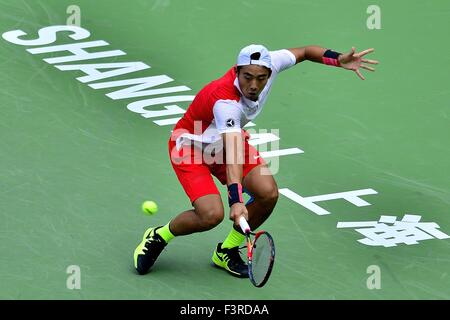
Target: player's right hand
{"x": 236, "y": 211}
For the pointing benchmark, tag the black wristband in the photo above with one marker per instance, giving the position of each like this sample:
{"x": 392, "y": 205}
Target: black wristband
{"x": 234, "y": 194}
{"x": 330, "y": 57}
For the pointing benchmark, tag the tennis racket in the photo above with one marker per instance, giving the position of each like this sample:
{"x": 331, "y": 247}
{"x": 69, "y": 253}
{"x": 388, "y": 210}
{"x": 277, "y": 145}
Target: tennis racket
{"x": 260, "y": 254}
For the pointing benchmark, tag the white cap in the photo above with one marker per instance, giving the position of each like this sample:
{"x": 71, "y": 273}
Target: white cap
{"x": 254, "y": 54}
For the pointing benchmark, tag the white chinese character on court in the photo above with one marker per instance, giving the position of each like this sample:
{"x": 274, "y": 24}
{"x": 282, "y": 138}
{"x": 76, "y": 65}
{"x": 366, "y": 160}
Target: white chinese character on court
{"x": 388, "y": 232}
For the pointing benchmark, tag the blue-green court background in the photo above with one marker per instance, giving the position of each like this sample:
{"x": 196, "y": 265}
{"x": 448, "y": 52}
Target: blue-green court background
{"x": 75, "y": 165}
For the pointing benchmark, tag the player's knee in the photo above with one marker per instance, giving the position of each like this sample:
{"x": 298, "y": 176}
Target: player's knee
{"x": 270, "y": 196}
{"x": 212, "y": 217}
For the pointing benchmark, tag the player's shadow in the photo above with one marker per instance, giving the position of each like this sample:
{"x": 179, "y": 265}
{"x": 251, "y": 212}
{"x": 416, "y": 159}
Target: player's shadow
{"x": 170, "y": 265}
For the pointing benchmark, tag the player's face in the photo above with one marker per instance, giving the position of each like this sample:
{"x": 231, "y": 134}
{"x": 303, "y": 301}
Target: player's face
{"x": 252, "y": 80}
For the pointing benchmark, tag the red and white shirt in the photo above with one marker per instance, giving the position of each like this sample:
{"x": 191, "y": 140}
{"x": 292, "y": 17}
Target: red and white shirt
{"x": 221, "y": 107}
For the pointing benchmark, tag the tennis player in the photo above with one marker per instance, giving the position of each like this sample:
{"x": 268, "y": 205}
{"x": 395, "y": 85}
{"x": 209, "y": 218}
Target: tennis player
{"x": 209, "y": 140}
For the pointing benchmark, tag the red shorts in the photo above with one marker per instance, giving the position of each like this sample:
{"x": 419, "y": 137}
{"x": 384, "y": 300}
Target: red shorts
{"x": 194, "y": 168}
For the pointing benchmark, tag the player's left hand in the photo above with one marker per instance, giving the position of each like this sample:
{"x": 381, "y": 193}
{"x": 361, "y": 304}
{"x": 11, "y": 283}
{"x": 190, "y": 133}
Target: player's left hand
{"x": 353, "y": 61}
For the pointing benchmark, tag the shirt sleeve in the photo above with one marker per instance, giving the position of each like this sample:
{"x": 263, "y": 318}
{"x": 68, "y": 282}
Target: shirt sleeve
{"x": 227, "y": 116}
{"x": 282, "y": 59}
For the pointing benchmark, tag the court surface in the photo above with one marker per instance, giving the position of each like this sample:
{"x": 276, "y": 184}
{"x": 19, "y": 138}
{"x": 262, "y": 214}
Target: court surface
{"x": 75, "y": 165}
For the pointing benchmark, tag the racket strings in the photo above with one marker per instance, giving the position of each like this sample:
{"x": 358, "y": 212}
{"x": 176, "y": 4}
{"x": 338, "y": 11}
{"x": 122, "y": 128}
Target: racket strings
{"x": 262, "y": 259}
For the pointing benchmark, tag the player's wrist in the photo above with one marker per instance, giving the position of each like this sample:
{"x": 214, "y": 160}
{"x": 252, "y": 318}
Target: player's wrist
{"x": 331, "y": 58}
{"x": 235, "y": 194}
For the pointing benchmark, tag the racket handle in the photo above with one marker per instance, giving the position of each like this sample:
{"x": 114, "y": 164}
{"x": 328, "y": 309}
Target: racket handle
{"x": 244, "y": 225}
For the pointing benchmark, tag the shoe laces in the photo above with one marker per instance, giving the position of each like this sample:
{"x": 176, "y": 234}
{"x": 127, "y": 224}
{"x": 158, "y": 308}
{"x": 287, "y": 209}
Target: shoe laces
{"x": 234, "y": 254}
{"x": 155, "y": 240}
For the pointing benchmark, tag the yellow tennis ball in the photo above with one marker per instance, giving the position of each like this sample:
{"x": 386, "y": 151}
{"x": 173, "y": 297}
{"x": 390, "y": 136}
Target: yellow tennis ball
{"x": 149, "y": 207}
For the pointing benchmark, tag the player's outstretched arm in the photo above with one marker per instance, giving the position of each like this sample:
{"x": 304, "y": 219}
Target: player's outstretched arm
{"x": 351, "y": 61}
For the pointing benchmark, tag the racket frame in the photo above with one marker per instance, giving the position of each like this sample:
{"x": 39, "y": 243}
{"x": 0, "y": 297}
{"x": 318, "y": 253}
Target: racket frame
{"x": 250, "y": 247}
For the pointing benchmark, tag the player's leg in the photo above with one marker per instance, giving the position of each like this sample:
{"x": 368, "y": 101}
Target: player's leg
{"x": 207, "y": 213}
{"x": 259, "y": 182}
{"x": 199, "y": 186}
{"x": 264, "y": 190}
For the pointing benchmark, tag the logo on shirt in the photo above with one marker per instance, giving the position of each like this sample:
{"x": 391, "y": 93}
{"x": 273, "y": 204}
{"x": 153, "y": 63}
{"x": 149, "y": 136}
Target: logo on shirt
{"x": 230, "y": 123}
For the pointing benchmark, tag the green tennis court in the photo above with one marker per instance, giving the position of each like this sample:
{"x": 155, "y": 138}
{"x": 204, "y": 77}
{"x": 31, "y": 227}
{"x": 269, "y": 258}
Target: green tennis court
{"x": 76, "y": 164}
